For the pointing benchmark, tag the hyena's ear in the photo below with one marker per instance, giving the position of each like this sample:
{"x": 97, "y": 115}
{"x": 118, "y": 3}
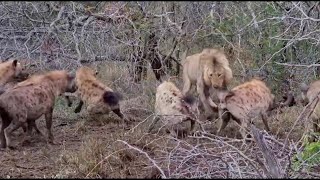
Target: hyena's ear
{"x": 15, "y": 63}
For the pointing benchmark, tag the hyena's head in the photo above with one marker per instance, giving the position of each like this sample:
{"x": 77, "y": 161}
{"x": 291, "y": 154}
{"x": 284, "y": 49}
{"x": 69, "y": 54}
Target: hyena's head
{"x": 223, "y": 95}
{"x": 20, "y": 71}
{"x": 71, "y": 87}
{"x": 189, "y": 106}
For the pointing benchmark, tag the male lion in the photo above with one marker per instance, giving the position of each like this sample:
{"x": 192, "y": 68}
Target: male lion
{"x": 208, "y": 69}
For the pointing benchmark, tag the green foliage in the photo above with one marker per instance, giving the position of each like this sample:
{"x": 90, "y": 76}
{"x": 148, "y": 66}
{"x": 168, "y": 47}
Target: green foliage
{"x": 309, "y": 157}
{"x": 270, "y": 10}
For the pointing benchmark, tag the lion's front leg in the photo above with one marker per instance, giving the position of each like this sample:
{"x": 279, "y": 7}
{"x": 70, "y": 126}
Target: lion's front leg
{"x": 204, "y": 99}
{"x": 210, "y": 101}
{"x": 186, "y": 84}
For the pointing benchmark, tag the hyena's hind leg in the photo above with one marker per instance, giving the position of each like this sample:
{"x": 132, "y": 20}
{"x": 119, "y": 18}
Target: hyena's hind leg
{"x": 31, "y": 124}
{"x": 4, "y": 125}
{"x": 14, "y": 125}
{"x": 48, "y": 117}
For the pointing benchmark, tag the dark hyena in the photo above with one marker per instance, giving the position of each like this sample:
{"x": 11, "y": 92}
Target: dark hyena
{"x": 30, "y": 100}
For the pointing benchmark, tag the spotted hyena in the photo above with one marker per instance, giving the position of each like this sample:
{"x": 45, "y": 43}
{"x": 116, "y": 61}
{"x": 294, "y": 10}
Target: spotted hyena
{"x": 99, "y": 98}
{"x": 30, "y": 100}
{"x": 244, "y": 103}
{"x": 309, "y": 94}
{"x": 173, "y": 108}
{"x": 12, "y": 70}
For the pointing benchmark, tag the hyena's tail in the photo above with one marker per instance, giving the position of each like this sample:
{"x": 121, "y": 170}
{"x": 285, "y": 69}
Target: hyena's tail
{"x": 111, "y": 98}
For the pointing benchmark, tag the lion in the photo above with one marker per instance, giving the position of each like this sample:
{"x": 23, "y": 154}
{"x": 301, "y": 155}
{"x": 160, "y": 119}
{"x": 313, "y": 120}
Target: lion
{"x": 100, "y": 99}
{"x": 173, "y": 108}
{"x": 309, "y": 93}
{"x": 208, "y": 69}
{"x": 27, "y": 102}
{"x": 245, "y": 102}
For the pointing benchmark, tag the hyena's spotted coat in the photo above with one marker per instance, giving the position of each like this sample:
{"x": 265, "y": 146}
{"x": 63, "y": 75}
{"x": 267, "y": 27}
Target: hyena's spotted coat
{"x": 29, "y": 100}
{"x": 244, "y": 103}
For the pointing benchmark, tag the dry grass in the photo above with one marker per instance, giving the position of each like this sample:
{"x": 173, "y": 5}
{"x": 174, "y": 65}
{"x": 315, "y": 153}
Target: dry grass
{"x": 133, "y": 153}
{"x": 104, "y": 148}
{"x": 88, "y": 155}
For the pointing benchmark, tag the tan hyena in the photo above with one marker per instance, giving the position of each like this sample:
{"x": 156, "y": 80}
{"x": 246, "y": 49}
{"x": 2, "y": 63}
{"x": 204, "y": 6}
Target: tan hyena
{"x": 309, "y": 93}
{"x": 10, "y": 70}
{"x": 245, "y": 102}
{"x": 99, "y": 98}
{"x": 173, "y": 108}
{"x": 27, "y": 102}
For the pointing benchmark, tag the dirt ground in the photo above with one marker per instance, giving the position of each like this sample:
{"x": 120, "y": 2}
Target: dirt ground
{"x": 80, "y": 143}
{"x": 39, "y": 159}
{"x": 82, "y": 146}
{"x": 97, "y": 149}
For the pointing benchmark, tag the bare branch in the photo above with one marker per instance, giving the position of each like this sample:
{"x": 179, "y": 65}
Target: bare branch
{"x": 272, "y": 164}
{"x": 153, "y": 161}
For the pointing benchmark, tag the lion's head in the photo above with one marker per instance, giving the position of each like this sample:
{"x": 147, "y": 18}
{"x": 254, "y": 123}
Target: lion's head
{"x": 216, "y": 70}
